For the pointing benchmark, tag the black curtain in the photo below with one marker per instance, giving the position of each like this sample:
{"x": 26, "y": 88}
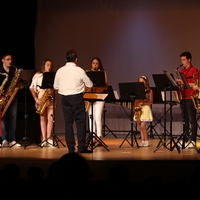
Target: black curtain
{"x": 17, "y": 19}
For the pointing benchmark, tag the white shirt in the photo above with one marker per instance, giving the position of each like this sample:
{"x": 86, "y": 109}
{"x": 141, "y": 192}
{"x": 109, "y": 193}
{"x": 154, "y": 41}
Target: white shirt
{"x": 71, "y": 79}
{"x": 37, "y": 83}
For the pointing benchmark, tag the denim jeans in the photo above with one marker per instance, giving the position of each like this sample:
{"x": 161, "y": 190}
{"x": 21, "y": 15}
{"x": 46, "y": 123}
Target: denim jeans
{"x": 189, "y": 119}
{"x": 9, "y": 121}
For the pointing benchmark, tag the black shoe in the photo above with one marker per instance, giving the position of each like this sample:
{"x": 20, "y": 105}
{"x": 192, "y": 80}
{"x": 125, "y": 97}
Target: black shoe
{"x": 85, "y": 151}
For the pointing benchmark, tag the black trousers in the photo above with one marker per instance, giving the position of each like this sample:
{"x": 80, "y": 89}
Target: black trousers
{"x": 74, "y": 111}
{"x": 189, "y": 118}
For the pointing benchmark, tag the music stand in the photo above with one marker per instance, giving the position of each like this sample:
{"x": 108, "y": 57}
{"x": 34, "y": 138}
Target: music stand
{"x": 166, "y": 82}
{"x": 108, "y": 99}
{"x": 184, "y": 135}
{"x": 157, "y": 99}
{"x": 47, "y": 83}
{"x": 129, "y": 92}
{"x": 93, "y": 97}
{"x": 25, "y": 78}
{"x": 97, "y": 77}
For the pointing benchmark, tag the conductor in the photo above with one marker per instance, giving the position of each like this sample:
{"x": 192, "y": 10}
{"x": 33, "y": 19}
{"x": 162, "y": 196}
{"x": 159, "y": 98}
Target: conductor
{"x": 71, "y": 82}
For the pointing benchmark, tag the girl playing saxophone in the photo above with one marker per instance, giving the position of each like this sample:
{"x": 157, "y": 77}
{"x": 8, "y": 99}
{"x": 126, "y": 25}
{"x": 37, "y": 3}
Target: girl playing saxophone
{"x": 46, "y": 119}
{"x": 143, "y": 112}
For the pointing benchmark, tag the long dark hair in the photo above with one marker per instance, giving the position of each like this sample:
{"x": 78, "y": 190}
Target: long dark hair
{"x": 100, "y": 63}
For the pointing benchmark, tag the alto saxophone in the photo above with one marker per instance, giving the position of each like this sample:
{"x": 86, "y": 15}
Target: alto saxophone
{"x": 177, "y": 93}
{"x": 138, "y": 111}
{"x": 195, "y": 97}
{"x": 47, "y": 99}
{"x": 2, "y": 99}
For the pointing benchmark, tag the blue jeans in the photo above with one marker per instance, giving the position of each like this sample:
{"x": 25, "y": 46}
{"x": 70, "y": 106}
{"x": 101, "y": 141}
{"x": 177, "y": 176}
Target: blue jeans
{"x": 189, "y": 119}
{"x": 9, "y": 122}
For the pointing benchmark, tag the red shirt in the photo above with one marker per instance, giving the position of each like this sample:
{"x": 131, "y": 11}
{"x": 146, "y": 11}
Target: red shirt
{"x": 189, "y": 73}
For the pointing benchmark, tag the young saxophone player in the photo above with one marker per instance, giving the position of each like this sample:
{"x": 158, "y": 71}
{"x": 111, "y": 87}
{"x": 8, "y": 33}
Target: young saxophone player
{"x": 143, "y": 112}
{"x": 9, "y": 119}
{"x": 186, "y": 104}
{"x": 44, "y": 109}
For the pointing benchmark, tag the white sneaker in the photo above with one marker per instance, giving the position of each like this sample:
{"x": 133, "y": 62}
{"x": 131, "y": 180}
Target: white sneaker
{"x": 146, "y": 144}
{"x": 5, "y": 143}
{"x": 180, "y": 144}
{"x": 44, "y": 144}
{"x": 141, "y": 144}
{"x": 192, "y": 144}
{"x": 50, "y": 141}
{"x": 14, "y": 143}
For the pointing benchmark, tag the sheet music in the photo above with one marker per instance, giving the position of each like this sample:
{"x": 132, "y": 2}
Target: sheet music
{"x": 170, "y": 78}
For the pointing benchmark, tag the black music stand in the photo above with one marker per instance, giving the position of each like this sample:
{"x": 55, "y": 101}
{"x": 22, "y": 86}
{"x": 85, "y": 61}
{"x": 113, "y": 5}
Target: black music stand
{"x": 93, "y": 97}
{"x": 130, "y": 92}
{"x": 184, "y": 135}
{"x": 157, "y": 99}
{"x": 108, "y": 99}
{"x": 166, "y": 82}
{"x": 97, "y": 77}
{"x": 25, "y": 78}
{"x": 47, "y": 83}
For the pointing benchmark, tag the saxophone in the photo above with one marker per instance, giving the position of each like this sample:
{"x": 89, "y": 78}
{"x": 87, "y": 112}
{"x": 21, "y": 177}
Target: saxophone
{"x": 47, "y": 99}
{"x": 138, "y": 111}
{"x": 195, "y": 97}
{"x": 177, "y": 93}
{"x": 2, "y": 99}
{"x": 12, "y": 90}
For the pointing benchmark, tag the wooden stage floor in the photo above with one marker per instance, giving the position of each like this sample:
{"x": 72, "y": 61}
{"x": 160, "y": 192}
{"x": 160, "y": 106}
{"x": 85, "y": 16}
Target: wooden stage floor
{"x": 142, "y": 162}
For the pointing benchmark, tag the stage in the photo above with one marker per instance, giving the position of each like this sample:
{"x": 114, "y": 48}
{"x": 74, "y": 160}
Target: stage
{"x": 142, "y": 162}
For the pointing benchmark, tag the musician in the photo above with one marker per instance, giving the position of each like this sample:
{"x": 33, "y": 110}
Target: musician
{"x": 186, "y": 104}
{"x": 46, "y": 116}
{"x": 144, "y": 112}
{"x": 9, "y": 119}
{"x": 71, "y": 82}
{"x": 98, "y": 106}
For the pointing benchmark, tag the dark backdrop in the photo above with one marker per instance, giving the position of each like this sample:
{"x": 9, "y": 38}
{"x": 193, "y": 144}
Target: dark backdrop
{"x": 17, "y": 32}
